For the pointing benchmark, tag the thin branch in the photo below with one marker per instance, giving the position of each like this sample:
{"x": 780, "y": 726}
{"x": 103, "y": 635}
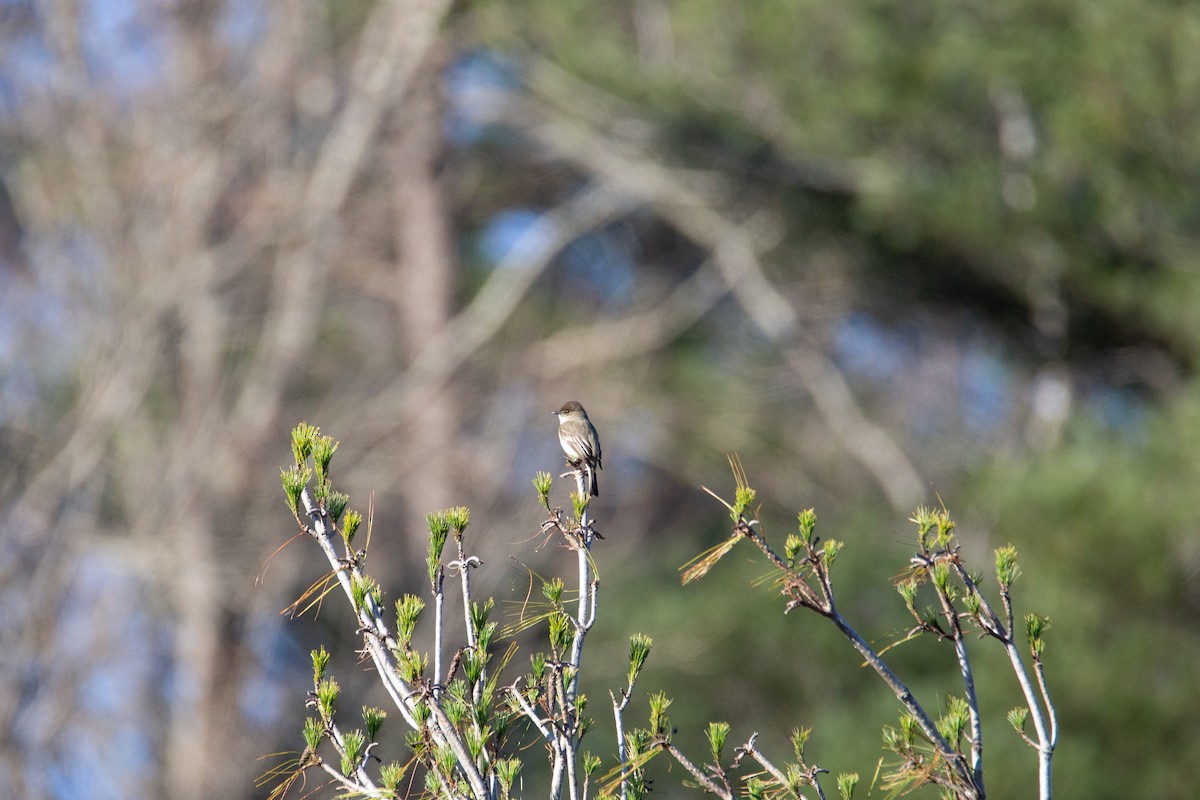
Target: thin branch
{"x": 619, "y": 725}
{"x": 364, "y": 780}
{"x": 968, "y": 677}
{"x": 1047, "y": 739}
{"x": 1040, "y": 671}
{"x": 444, "y": 730}
{"x": 354, "y": 789}
{"x": 543, "y": 726}
{"x": 439, "y": 603}
{"x": 1046, "y": 748}
{"x": 705, "y": 781}
{"x": 902, "y": 692}
{"x": 751, "y": 749}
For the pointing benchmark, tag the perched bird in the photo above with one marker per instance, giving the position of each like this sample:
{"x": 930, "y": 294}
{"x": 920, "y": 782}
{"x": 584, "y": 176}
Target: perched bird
{"x": 579, "y": 442}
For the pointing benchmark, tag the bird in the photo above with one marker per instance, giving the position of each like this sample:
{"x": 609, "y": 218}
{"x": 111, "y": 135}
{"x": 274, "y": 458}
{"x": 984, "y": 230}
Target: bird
{"x": 579, "y": 441}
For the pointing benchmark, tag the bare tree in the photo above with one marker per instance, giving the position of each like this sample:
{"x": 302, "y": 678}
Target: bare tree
{"x": 192, "y": 219}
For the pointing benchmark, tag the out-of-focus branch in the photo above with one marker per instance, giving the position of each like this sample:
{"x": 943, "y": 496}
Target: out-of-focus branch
{"x": 633, "y": 335}
{"x": 152, "y": 211}
{"x": 446, "y": 350}
{"x": 394, "y": 42}
{"x": 732, "y": 249}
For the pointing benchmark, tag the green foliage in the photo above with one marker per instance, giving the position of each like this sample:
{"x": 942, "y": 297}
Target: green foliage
{"x": 363, "y": 588}
{"x": 940, "y": 573}
{"x": 585, "y": 722}
{"x": 421, "y": 713}
{"x": 390, "y": 775}
{"x": 323, "y": 449}
{"x": 537, "y": 665}
{"x": 660, "y": 723}
{"x": 973, "y": 604}
{"x": 320, "y": 661}
{"x": 717, "y": 733}
{"x": 925, "y": 521}
{"x": 900, "y": 740}
{"x": 439, "y": 531}
{"x": 458, "y": 518}
{"x": 914, "y": 101}
{"x": 953, "y": 723}
{"x": 477, "y": 739}
{"x": 467, "y": 703}
{"x": 455, "y": 703}
{"x": 472, "y": 663}
{"x": 479, "y": 615}
{"x": 639, "y": 651}
{"x": 335, "y": 503}
{"x": 792, "y": 548}
{"x": 579, "y": 504}
{"x": 303, "y": 438}
{"x": 846, "y": 782}
{"x": 807, "y": 520}
{"x": 507, "y": 770}
{"x": 542, "y": 483}
{"x": 412, "y": 665}
{"x": 373, "y": 718}
{"x": 314, "y": 731}
{"x": 799, "y": 739}
{"x": 830, "y": 552}
{"x": 433, "y": 784}
{"x": 327, "y": 694}
{"x": 1007, "y": 569}
{"x": 353, "y": 743}
{"x": 294, "y": 480}
{"x": 408, "y": 610}
{"x": 552, "y": 590}
{"x": 562, "y": 630}
{"x": 446, "y": 759}
{"x": 485, "y": 635}
{"x": 350, "y": 526}
{"x": 945, "y": 529}
{"x": 743, "y": 497}
{"x": 1035, "y": 626}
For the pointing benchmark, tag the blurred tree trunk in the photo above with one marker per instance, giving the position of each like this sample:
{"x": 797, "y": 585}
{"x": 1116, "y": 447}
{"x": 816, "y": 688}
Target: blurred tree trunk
{"x": 425, "y": 281}
{"x": 192, "y": 224}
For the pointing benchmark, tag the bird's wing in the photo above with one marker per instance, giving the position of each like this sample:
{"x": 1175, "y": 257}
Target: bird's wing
{"x": 596, "y": 439}
{"x": 580, "y": 444}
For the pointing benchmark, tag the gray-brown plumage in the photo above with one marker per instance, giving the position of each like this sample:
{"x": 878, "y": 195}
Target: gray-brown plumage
{"x": 579, "y": 442}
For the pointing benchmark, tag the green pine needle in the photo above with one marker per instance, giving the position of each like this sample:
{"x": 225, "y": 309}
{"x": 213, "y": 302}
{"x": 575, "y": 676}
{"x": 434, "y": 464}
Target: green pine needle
{"x": 1007, "y": 569}
{"x": 303, "y": 436}
{"x": 639, "y": 651}
{"x": 717, "y": 734}
{"x": 846, "y": 782}
{"x": 320, "y": 660}
{"x": 314, "y": 731}
{"x": 542, "y": 483}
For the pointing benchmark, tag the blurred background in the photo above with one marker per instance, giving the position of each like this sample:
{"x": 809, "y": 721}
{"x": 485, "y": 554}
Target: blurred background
{"x": 889, "y": 253}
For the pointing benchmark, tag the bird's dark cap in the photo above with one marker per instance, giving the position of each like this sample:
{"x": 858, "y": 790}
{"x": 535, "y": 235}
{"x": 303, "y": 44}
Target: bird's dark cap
{"x": 570, "y": 407}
